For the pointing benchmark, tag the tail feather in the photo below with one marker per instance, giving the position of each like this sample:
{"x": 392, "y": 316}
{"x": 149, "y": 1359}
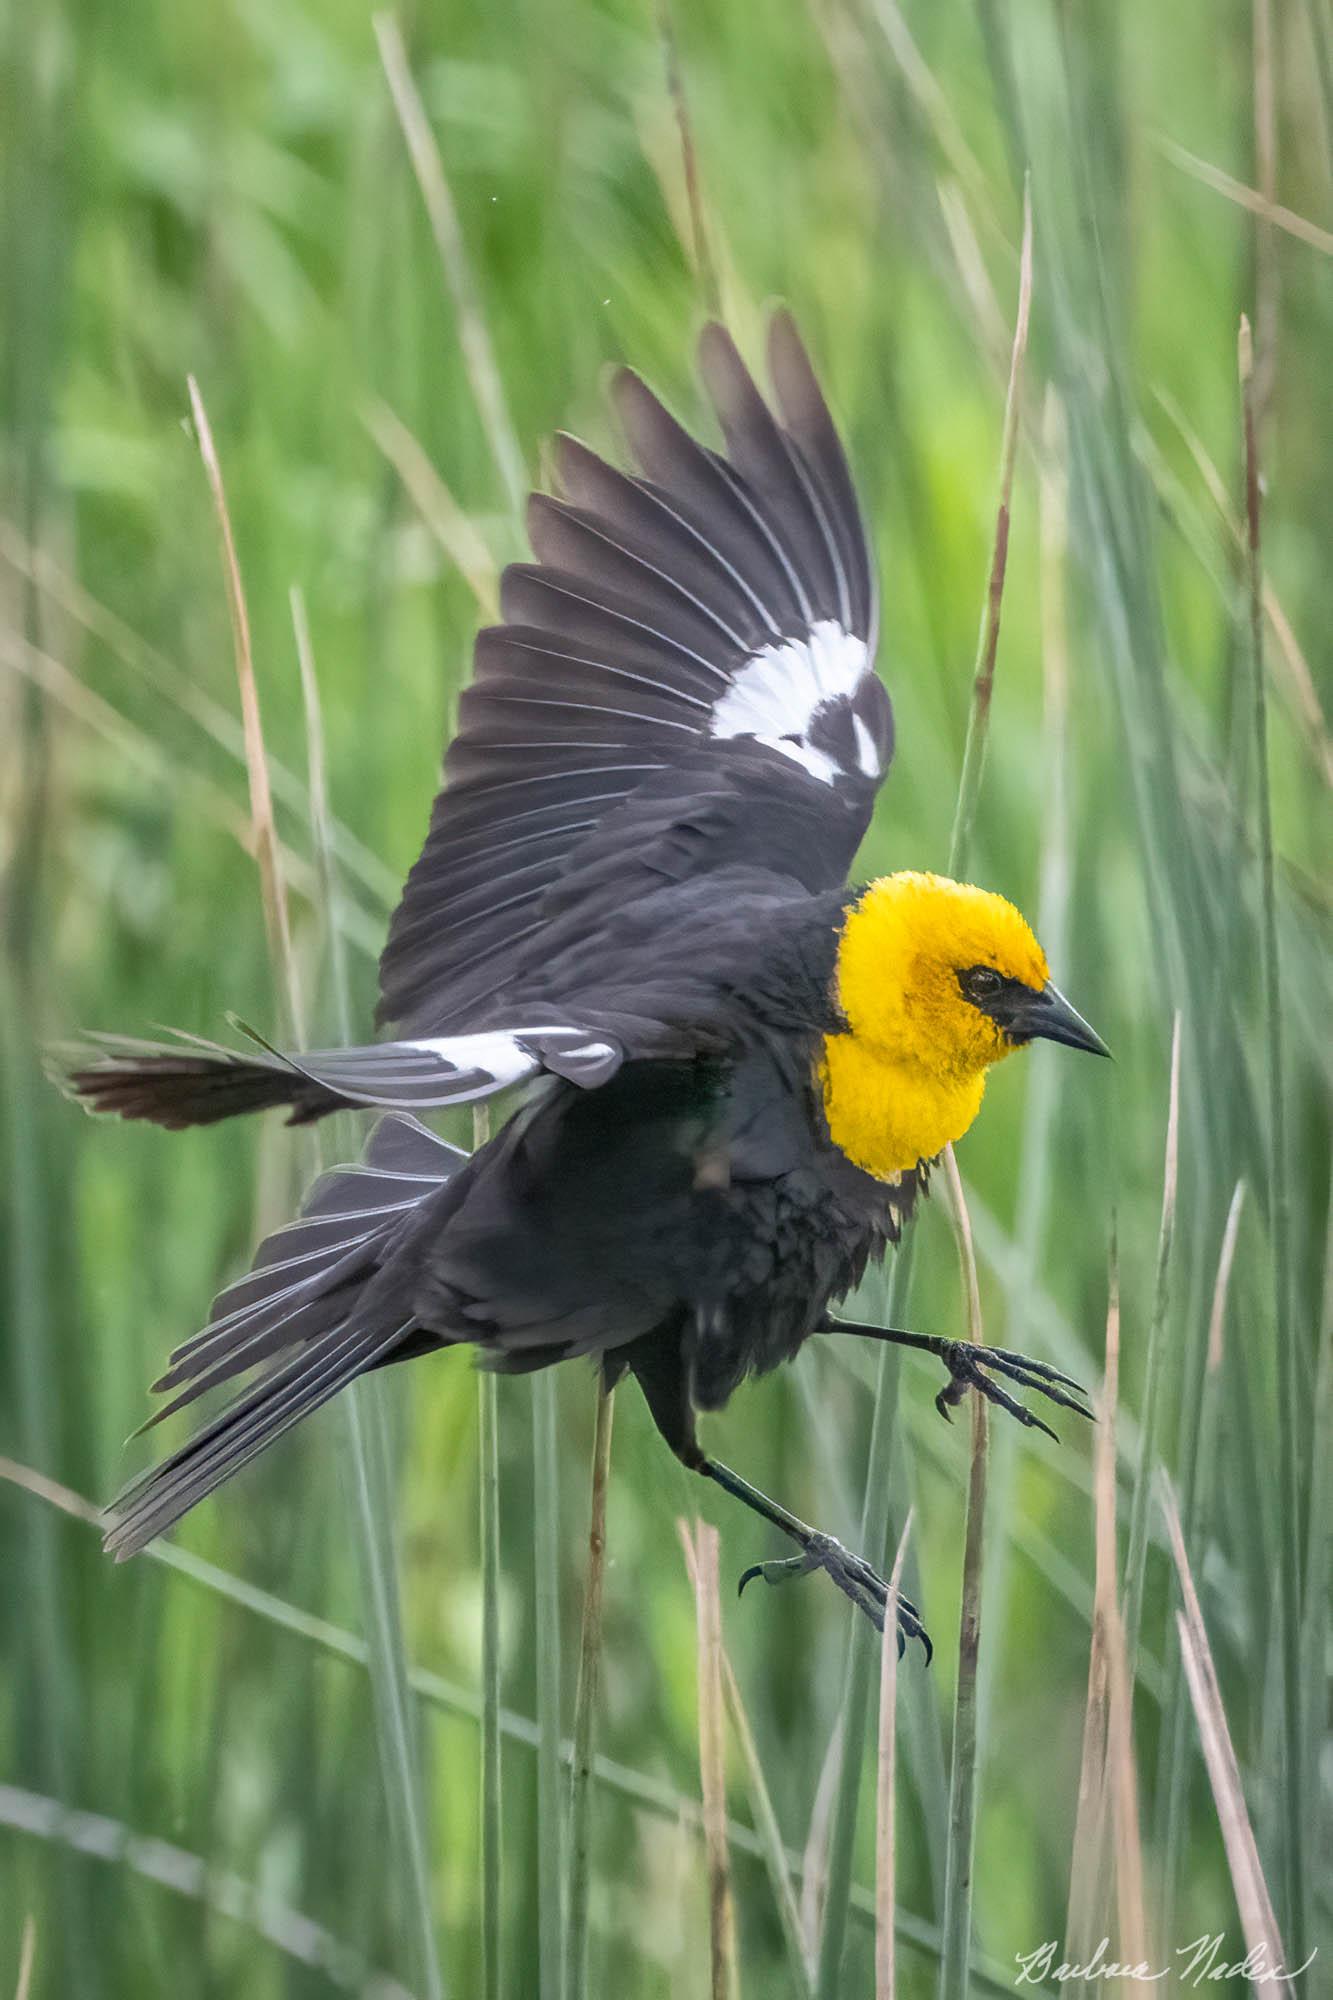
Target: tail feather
{"x": 196, "y": 1082}
{"x": 302, "y": 1313}
{"x": 350, "y": 1222}
{"x": 193, "y": 1082}
{"x": 284, "y": 1394}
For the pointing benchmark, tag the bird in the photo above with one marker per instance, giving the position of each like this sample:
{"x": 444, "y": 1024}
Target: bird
{"x": 731, "y": 1071}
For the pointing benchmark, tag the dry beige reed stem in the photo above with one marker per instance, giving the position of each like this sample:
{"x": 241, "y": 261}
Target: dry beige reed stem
{"x": 701, "y": 1555}
{"x": 1108, "y": 1778}
{"x": 705, "y": 270}
{"x": 27, "y": 1957}
{"x": 885, "y": 1785}
{"x": 1248, "y": 197}
{"x": 815, "y": 1853}
{"x": 1253, "y": 1901}
{"x": 266, "y": 850}
{"x": 1222, "y": 1285}
{"x": 436, "y": 505}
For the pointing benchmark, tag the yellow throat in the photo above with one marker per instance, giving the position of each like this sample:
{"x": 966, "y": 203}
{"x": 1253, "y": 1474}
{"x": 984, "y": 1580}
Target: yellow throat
{"x": 907, "y": 1076}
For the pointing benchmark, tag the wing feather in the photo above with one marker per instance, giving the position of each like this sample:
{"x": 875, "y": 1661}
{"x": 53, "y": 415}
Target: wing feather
{"x": 699, "y": 630}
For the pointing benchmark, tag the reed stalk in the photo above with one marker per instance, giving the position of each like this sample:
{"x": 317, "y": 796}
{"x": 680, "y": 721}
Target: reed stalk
{"x": 1291, "y": 1429}
{"x": 585, "y": 1708}
{"x": 886, "y": 1813}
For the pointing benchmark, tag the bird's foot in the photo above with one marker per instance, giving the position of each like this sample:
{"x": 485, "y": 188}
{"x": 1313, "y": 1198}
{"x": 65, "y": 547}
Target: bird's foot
{"x": 974, "y": 1367}
{"x": 854, "y": 1577}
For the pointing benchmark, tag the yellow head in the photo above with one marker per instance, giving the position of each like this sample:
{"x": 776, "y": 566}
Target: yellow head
{"x": 936, "y": 981}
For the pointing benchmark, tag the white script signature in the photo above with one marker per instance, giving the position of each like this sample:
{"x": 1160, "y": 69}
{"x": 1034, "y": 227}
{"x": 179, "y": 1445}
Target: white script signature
{"x": 1205, "y": 1962}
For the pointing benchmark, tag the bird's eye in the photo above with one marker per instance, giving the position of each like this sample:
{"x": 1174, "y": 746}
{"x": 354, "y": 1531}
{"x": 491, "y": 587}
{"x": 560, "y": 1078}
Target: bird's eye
{"x": 980, "y": 982}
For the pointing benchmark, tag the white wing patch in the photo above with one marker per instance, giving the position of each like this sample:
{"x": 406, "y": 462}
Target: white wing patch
{"x": 501, "y": 1054}
{"x": 776, "y": 693}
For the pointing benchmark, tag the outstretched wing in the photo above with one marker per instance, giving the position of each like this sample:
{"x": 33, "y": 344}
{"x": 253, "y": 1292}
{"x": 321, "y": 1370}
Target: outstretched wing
{"x": 683, "y": 682}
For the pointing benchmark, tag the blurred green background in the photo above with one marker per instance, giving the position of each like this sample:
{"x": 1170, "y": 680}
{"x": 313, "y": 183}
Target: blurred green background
{"x": 226, "y": 192}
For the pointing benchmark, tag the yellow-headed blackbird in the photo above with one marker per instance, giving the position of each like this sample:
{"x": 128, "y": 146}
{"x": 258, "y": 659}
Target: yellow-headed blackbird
{"x": 631, "y": 901}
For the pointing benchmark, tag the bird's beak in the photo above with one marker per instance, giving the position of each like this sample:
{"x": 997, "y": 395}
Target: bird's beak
{"x": 1049, "y": 1017}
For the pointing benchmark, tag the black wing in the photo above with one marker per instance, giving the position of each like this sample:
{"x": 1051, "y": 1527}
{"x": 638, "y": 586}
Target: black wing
{"x": 683, "y": 682}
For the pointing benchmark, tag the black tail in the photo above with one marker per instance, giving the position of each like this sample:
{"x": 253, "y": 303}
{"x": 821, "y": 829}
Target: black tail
{"x": 305, "y": 1310}
{"x": 195, "y": 1082}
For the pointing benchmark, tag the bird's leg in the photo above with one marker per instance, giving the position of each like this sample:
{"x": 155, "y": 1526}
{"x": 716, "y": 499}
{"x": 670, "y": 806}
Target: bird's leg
{"x": 853, "y": 1575}
{"x": 972, "y": 1366}
{"x": 658, "y": 1365}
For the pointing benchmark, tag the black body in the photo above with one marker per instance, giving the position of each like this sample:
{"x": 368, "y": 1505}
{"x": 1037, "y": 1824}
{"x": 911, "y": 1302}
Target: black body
{"x": 689, "y": 1221}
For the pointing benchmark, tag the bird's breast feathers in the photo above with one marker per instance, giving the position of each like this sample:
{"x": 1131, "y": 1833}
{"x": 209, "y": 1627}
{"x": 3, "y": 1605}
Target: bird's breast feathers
{"x": 887, "y": 1116}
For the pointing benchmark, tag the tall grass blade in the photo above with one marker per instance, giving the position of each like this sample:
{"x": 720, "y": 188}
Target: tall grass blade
{"x": 988, "y": 641}
{"x": 861, "y": 1655}
{"x": 1266, "y": 273}
{"x": 492, "y": 1820}
{"x": 1136, "y": 1555}
{"x": 399, "y": 1746}
{"x": 1270, "y": 212}
{"x": 1319, "y": 16}
{"x": 1108, "y": 1781}
{"x": 27, "y": 1958}
{"x": 101, "y": 1838}
{"x": 586, "y": 1703}
{"x": 437, "y": 507}
{"x": 42, "y": 1656}
{"x": 933, "y": 102}
{"x": 473, "y": 335}
{"x": 321, "y": 818}
{"x": 705, "y": 271}
{"x": 1087, "y": 1861}
{"x": 1319, "y": 1562}
{"x": 956, "y": 1960}
{"x": 776, "y": 1859}
{"x": 272, "y": 891}
{"x": 1174, "y": 1762}
{"x": 550, "y": 1778}
{"x": 1298, "y": 681}
{"x": 814, "y": 1869}
{"x": 1291, "y": 1429}
{"x": 701, "y": 1557}
{"x": 1253, "y": 1902}
{"x": 886, "y": 1828}
{"x": 1217, "y": 1319}
{"x": 492, "y": 1910}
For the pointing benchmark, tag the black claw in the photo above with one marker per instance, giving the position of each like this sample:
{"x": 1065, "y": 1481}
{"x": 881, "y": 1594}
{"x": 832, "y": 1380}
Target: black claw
{"x": 1037, "y": 1375}
{"x": 968, "y": 1365}
{"x": 856, "y": 1579}
{"x": 1043, "y": 1369}
{"x": 776, "y": 1572}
